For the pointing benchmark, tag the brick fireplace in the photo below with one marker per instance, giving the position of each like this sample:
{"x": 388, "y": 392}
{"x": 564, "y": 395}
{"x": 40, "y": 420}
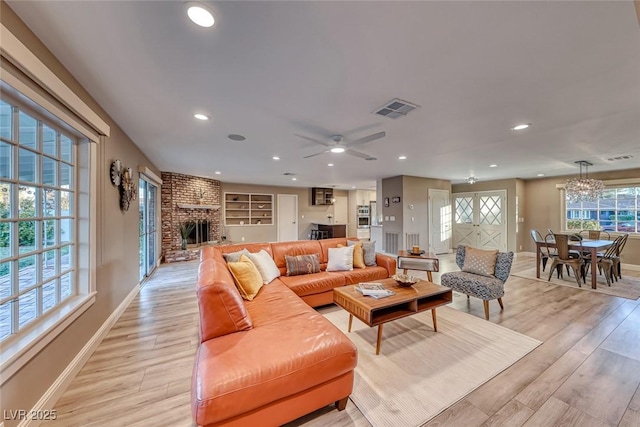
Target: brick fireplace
{"x": 187, "y": 198}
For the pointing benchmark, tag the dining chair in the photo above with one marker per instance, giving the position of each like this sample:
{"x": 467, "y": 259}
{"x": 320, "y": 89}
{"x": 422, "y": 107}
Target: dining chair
{"x": 616, "y": 259}
{"x": 590, "y": 234}
{"x": 606, "y": 261}
{"x": 537, "y": 237}
{"x": 564, "y": 258}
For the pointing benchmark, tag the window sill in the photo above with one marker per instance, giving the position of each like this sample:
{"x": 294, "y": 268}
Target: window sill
{"x": 18, "y": 350}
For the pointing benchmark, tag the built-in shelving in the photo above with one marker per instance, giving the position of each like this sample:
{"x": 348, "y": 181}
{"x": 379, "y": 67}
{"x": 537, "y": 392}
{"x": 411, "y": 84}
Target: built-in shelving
{"x": 248, "y": 209}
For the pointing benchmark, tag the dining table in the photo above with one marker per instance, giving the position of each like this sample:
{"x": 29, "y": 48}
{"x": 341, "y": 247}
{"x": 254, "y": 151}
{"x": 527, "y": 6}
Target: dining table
{"x": 591, "y": 246}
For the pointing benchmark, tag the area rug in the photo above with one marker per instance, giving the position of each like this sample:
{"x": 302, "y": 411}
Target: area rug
{"x": 627, "y": 287}
{"x": 420, "y": 373}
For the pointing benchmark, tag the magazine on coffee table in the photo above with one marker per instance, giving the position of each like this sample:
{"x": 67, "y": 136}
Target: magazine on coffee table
{"x": 374, "y": 290}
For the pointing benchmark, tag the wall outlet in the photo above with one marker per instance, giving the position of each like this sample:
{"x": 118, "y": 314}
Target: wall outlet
{"x": 242, "y": 238}
{"x": 520, "y": 247}
{"x": 392, "y": 218}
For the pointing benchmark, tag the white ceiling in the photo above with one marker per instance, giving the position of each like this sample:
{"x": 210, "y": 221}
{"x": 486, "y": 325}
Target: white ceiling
{"x": 270, "y": 70}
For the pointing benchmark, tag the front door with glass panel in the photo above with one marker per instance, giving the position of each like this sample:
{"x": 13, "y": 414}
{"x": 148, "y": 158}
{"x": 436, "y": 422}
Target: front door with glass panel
{"x": 147, "y": 228}
{"x": 480, "y": 220}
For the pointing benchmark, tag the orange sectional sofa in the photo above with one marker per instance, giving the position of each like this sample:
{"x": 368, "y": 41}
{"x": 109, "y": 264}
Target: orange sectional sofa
{"x": 273, "y": 359}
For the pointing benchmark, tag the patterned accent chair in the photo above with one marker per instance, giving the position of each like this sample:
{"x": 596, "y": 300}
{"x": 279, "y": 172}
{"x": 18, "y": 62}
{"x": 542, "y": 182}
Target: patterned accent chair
{"x": 484, "y": 287}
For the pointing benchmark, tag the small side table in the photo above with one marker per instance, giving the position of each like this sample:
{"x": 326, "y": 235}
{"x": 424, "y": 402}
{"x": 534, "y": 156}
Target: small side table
{"x": 428, "y": 262}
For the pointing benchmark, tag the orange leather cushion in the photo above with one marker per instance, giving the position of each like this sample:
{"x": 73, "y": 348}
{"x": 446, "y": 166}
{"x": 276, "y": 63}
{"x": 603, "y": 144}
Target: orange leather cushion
{"x": 301, "y": 247}
{"x": 313, "y": 283}
{"x": 364, "y": 275}
{"x": 222, "y": 310}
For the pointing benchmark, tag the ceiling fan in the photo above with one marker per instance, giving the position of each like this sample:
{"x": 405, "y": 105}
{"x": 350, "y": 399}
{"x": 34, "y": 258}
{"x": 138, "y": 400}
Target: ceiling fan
{"x": 337, "y": 146}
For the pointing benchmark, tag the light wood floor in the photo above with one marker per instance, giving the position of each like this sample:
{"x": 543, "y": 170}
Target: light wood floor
{"x": 586, "y": 373}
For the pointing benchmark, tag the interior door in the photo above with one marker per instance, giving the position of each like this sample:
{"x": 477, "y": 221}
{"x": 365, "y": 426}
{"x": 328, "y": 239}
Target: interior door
{"x": 464, "y": 231}
{"x": 287, "y": 217}
{"x": 492, "y": 224}
{"x": 480, "y": 219}
{"x": 341, "y": 210}
{"x": 440, "y": 221}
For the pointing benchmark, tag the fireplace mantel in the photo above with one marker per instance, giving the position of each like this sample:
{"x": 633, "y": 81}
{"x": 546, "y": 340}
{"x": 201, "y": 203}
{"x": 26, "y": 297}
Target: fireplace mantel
{"x": 190, "y": 206}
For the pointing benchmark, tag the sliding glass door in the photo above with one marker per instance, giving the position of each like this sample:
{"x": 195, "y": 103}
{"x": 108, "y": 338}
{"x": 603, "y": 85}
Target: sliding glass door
{"x": 147, "y": 227}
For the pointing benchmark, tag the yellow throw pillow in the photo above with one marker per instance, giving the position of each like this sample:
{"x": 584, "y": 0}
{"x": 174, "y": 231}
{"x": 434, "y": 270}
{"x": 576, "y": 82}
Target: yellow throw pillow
{"x": 358, "y": 255}
{"x": 247, "y": 277}
{"x": 479, "y": 261}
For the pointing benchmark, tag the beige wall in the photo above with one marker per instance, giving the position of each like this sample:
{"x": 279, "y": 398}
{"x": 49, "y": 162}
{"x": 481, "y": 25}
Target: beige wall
{"x": 543, "y": 204}
{"x": 412, "y": 190}
{"x": 307, "y": 213}
{"x": 117, "y": 248}
{"x": 415, "y": 192}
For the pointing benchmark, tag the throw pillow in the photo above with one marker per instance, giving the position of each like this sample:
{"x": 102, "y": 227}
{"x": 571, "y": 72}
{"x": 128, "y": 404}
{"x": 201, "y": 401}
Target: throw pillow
{"x": 369, "y": 249}
{"x": 340, "y": 259}
{"x": 247, "y": 277}
{"x": 302, "y": 264}
{"x": 234, "y": 256}
{"x": 265, "y": 265}
{"x": 358, "y": 254}
{"x": 479, "y": 261}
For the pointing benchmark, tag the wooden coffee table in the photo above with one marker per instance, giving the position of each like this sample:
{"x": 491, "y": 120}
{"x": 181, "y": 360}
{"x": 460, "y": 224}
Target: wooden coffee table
{"x": 407, "y": 301}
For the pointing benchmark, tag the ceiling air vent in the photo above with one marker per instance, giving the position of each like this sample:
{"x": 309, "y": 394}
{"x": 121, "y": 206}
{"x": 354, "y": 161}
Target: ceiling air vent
{"x": 626, "y": 157}
{"x": 288, "y": 174}
{"x": 396, "y": 108}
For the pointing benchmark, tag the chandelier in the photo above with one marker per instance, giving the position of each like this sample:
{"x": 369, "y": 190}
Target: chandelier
{"x": 584, "y": 189}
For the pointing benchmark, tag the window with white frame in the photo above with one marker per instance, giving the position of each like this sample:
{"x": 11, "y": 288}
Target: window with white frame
{"x": 617, "y": 210}
{"x": 38, "y": 196}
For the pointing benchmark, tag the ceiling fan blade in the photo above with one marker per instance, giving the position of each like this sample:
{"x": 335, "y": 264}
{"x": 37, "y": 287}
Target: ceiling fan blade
{"x": 366, "y": 139}
{"x": 326, "y": 144}
{"x": 360, "y": 154}
{"x": 313, "y": 155}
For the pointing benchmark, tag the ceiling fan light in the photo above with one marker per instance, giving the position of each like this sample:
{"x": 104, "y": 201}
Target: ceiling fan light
{"x": 200, "y": 15}
{"x": 338, "y": 150}
{"x": 522, "y": 126}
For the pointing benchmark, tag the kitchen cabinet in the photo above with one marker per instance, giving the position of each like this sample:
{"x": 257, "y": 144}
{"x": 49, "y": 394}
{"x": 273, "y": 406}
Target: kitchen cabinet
{"x": 321, "y": 196}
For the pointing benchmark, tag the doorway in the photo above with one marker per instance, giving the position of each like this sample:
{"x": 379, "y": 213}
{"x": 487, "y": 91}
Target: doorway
{"x": 439, "y": 221}
{"x": 480, "y": 219}
{"x": 287, "y": 217}
{"x": 147, "y": 193}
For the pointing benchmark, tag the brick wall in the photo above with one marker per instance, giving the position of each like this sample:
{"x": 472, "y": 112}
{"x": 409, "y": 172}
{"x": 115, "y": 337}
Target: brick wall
{"x": 179, "y": 188}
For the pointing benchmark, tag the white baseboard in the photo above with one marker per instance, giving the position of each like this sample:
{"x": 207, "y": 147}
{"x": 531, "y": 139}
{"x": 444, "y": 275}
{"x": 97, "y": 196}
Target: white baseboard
{"x": 59, "y": 386}
{"x": 525, "y": 254}
{"x": 633, "y": 267}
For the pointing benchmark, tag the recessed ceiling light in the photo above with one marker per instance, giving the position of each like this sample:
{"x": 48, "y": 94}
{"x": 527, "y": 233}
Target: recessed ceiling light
{"x": 353, "y": 186}
{"x": 493, "y": 166}
{"x": 402, "y": 158}
{"x": 276, "y": 158}
{"x": 201, "y": 116}
{"x": 200, "y": 15}
{"x": 337, "y": 150}
{"x": 294, "y": 179}
{"x": 236, "y": 137}
{"x": 522, "y": 126}
{"x": 540, "y": 174}
{"x": 217, "y": 172}
{"x": 330, "y": 164}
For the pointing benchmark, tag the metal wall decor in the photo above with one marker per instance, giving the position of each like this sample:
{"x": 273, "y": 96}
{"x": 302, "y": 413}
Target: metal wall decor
{"x": 122, "y": 177}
